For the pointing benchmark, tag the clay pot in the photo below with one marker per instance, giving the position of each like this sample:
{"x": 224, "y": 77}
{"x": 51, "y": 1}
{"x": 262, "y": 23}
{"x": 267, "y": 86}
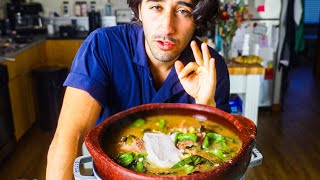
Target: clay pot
{"x": 234, "y": 169}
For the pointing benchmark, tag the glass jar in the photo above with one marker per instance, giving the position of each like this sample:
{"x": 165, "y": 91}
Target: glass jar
{"x": 65, "y": 8}
{"x": 108, "y": 8}
{"x": 84, "y": 9}
{"x": 77, "y": 9}
{"x": 92, "y": 6}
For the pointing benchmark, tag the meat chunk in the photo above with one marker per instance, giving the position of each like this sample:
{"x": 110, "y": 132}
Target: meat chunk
{"x": 182, "y": 145}
{"x": 200, "y": 137}
{"x": 132, "y": 143}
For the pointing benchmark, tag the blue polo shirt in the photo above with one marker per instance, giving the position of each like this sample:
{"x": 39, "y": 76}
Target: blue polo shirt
{"x": 111, "y": 65}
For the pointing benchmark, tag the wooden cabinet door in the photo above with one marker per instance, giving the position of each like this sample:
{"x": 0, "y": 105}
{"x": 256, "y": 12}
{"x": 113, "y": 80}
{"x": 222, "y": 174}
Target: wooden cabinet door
{"x": 21, "y": 84}
{"x": 23, "y": 103}
{"x": 22, "y": 89}
{"x": 61, "y": 52}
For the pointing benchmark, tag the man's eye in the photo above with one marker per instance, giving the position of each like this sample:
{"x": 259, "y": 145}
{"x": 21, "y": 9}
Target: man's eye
{"x": 184, "y": 12}
{"x": 157, "y": 8}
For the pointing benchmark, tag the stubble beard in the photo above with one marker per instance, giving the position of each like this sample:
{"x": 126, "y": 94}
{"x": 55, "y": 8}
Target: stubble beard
{"x": 162, "y": 56}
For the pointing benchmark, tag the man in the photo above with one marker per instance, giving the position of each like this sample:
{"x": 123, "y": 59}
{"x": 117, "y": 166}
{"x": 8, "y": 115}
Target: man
{"x": 120, "y": 67}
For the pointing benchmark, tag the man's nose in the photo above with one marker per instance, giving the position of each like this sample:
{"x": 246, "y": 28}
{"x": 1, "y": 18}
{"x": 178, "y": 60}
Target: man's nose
{"x": 168, "y": 23}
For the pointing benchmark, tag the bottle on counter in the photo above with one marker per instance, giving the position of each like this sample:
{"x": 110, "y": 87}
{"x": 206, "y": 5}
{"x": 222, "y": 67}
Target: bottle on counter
{"x": 50, "y": 27}
{"x": 92, "y": 6}
{"x": 108, "y": 8}
{"x": 84, "y": 9}
{"x": 77, "y": 8}
{"x": 65, "y": 8}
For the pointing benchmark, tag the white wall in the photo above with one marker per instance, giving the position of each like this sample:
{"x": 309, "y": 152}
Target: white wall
{"x": 56, "y": 5}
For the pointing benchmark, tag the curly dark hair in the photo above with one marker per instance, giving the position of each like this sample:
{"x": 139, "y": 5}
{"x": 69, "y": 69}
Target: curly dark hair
{"x": 205, "y": 14}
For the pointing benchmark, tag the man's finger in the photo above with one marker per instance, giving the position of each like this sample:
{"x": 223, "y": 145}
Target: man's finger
{"x": 212, "y": 69}
{"x": 179, "y": 66}
{"x": 206, "y": 55}
{"x": 196, "y": 53}
{"x": 190, "y": 67}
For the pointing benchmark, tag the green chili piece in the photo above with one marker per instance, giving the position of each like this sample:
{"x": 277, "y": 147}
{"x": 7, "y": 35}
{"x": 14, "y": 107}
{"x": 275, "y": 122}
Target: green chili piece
{"x": 224, "y": 145}
{"x": 178, "y": 165}
{"x": 216, "y": 137}
{"x": 162, "y": 123}
{"x": 138, "y": 122}
{"x": 184, "y": 137}
{"x": 205, "y": 143}
{"x": 188, "y": 160}
{"x": 229, "y": 139}
{"x": 189, "y": 169}
{"x": 218, "y": 152}
{"x": 196, "y": 160}
{"x": 140, "y": 167}
{"x": 126, "y": 158}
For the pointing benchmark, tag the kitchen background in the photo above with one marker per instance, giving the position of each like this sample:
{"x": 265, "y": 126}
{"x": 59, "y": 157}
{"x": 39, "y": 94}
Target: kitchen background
{"x": 57, "y": 5}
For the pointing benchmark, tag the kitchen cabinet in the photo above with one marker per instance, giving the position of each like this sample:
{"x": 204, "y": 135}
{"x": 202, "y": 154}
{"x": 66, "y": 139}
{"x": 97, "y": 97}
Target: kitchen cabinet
{"x": 21, "y": 84}
{"x": 61, "y": 52}
{"x": 23, "y": 103}
{"x": 245, "y": 81}
{"x": 21, "y": 87}
{"x": 7, "y": 138}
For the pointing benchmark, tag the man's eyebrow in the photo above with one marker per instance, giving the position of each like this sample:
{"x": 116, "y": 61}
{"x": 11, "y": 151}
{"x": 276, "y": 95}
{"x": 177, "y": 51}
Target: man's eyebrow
{"x": 190, "y": 5}
{"x": 154, "y": 0}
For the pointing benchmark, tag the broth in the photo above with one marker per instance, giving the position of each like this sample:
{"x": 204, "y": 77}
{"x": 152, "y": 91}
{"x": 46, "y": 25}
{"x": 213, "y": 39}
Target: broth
{"x": 203, "y": 144}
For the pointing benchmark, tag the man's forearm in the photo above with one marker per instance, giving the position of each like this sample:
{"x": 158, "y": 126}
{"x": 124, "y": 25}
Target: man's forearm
{"x": 61, "y": 155}
{"x": 78, "y": 115}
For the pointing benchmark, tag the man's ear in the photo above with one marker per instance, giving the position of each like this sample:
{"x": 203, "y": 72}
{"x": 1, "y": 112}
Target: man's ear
{"x": 139, "y": 8}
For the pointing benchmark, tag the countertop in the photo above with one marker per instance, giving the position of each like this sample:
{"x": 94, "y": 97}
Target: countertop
{"x": 80, "y": 35}
{"x": 244, "y": 69}
{"x": 21, "y": 48}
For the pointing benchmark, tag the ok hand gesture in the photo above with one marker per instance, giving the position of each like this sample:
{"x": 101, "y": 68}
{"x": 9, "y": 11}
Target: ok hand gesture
{"x": 199, "y": 78}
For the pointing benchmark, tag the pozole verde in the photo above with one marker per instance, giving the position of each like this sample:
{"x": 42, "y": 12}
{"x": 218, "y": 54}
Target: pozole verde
{"x": 171, "y": 145}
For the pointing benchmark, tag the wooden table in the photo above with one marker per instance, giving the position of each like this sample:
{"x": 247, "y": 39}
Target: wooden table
{"x": 245, "y": 81}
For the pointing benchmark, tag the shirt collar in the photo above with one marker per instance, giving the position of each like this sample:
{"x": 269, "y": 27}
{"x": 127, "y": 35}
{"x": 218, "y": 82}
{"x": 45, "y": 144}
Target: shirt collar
{"x": 140, "y": 56}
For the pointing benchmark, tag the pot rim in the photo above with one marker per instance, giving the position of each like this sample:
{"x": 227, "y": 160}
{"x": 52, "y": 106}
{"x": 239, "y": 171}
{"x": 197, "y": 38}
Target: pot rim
{"x": 242, "y": 124}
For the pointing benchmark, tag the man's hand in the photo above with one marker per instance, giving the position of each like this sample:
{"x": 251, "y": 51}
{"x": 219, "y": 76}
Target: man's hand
{"x": 199, "y": 78}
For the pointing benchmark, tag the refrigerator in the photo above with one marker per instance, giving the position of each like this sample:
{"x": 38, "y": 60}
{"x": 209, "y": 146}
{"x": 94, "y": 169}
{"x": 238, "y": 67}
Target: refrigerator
{"x": 261, "y": 36}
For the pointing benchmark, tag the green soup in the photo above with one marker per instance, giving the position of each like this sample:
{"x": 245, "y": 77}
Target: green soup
{"x": 202, "y": 144}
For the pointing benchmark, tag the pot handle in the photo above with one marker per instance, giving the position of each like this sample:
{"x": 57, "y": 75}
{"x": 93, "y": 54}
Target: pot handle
{"x": 256, "y": 158}
{"x": 76, "y": 168}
